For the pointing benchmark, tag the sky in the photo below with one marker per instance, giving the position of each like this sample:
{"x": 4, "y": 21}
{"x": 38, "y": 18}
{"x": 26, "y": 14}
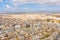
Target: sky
{"x": 29, "y": 5}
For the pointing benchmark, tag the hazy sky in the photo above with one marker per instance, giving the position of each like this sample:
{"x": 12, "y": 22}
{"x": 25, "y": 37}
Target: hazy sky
{"x": 29, "y": 5}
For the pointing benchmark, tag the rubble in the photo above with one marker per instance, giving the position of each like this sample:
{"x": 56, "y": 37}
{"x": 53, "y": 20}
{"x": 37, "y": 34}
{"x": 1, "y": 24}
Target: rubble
{"x": 19, "y": 29}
